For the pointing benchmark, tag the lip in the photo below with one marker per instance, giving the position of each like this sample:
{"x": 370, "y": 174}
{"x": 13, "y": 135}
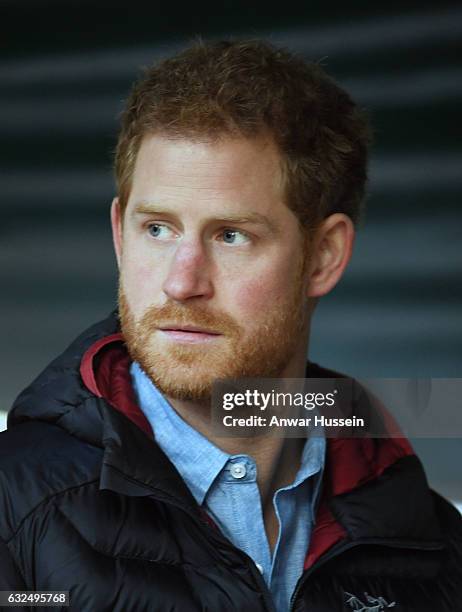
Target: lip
{"x": 188, "y": 333}
{"x": 188, "y": 328}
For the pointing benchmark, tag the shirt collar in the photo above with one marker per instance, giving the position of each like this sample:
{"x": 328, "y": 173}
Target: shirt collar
{"x": 196, "y": 458}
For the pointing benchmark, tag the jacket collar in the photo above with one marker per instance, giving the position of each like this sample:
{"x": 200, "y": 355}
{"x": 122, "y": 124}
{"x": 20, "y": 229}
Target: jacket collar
{"x": 358, "y": 502}
{"x": 88, "y": 392}
{"x": 352, "y": 462}
{"x": 133, "y": 465}
{"x": 104, "y": 370}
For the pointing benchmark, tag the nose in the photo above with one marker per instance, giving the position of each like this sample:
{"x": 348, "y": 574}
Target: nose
{"x": 188, "y": 275}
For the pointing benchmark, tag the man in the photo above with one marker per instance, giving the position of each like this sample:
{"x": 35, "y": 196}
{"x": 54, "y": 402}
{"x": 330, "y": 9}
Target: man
{"x": 240, "y": 172}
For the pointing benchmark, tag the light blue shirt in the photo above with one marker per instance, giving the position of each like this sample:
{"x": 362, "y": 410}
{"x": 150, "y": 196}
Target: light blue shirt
{"x": 226, "y": 487}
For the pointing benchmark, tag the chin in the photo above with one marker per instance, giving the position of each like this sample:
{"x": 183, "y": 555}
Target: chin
{"x": 186, "y": 375}
{"x": 184, "y": 386}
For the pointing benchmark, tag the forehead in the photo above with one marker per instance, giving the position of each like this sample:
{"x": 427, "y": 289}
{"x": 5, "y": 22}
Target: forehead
{"x": 243, "y": 172}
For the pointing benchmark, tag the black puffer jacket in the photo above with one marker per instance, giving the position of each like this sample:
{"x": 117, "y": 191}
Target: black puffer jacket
{"x": 90, "y": 504}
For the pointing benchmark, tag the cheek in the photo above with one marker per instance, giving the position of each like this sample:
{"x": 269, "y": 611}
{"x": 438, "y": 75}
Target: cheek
{"x": 140, "y": 284}
{"x": 255, "y": 296}
{"x": 271, "y": 286}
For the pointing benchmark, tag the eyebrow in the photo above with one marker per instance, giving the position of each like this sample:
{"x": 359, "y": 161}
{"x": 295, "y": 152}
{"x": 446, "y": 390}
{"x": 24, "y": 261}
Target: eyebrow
{"x": 147, "y": 208}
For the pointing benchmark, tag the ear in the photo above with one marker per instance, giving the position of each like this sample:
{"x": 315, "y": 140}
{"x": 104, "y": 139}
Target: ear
{"x": 331, "y": 251}
{"x": 116, "y": 223}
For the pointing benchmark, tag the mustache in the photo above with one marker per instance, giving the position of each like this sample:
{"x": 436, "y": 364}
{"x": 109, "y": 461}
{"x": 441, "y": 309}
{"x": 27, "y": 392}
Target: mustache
{"x": 194, "y": 315}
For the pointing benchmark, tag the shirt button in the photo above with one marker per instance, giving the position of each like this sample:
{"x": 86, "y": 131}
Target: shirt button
{"x": 238, "y": 470}
{"x": 259, "y": 567}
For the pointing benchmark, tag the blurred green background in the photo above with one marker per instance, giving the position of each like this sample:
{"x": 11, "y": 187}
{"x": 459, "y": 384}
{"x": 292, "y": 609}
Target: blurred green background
{"x": 65, "y": 69}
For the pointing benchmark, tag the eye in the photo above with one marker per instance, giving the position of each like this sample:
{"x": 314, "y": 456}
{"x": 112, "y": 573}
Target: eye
{"x": 231, "y": 236}
{"x": 157, "y": 230}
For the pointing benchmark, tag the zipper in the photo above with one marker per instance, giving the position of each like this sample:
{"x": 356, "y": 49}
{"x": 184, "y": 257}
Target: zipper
{"x": 335, "y": 552}
{"x": 249, "y": 562}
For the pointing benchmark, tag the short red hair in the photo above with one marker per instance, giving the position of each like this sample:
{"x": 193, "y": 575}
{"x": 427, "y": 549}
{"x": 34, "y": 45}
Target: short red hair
{"x": 249, "y": 88}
